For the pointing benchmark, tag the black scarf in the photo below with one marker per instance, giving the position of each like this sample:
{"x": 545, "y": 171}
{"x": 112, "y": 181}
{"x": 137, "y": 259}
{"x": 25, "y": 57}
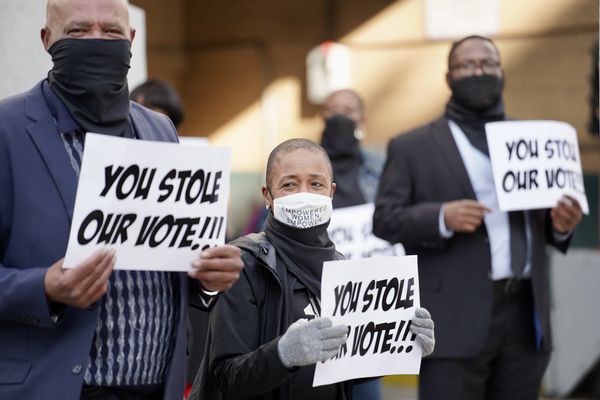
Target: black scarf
{"x": 473, "y": 123}
{"x": 90, "y": 77}
{"x": 343, "y": 150}
{"x": 303, "y": 251}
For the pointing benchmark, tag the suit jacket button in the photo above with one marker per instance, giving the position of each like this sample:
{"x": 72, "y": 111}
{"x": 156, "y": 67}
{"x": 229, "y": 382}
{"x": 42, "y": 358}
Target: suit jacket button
{"x": 76, "y": 369}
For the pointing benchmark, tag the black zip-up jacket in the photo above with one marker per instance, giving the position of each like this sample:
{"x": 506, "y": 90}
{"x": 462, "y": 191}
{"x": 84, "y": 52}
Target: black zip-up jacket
{"x": 241, "y": 359}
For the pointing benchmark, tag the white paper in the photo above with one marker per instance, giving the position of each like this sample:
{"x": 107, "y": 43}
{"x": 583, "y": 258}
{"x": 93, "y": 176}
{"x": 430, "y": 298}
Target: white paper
{"x": 169, "y": 201}
{"x": 454, "y": 19}
{"x": 351, "y": 231}
{"x": 385, "y": 346}
{"x": 535, "y": 163}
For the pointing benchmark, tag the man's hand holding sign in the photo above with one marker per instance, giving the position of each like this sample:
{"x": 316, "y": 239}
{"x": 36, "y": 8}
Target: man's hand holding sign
{"x": 83, "y": 285}
{"x": 217, "y": 268}
{"x": 566, "y": 215}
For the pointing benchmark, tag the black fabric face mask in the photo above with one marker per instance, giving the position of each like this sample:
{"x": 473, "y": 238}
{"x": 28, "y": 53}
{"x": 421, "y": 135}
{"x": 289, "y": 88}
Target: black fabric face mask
{"x": 471, "y": 120}
{"x": 477, "y": 93}
{"x": 338, "y": 138}
{"x": 90, "y": 77}
{"x": 343, "y": 150}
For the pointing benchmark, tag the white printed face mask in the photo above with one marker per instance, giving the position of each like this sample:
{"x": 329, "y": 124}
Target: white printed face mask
{"x": 303, "y": 210}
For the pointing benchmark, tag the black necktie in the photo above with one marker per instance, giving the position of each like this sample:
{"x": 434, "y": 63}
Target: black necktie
{"x": 518, "y": 243}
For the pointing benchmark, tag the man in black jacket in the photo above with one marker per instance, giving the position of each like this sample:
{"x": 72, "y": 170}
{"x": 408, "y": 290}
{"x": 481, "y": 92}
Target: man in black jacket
{"x": 478, "y": 267}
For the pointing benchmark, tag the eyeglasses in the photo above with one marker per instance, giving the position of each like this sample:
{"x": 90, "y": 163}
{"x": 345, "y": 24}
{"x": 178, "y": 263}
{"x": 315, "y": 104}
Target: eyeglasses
{"x": 487, "y": 66}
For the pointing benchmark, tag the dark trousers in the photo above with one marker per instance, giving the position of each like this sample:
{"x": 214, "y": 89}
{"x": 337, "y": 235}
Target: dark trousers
{"x": 369, "y": 390}
{"x": 109, "y": 393}
{"x": 508, "y": 368}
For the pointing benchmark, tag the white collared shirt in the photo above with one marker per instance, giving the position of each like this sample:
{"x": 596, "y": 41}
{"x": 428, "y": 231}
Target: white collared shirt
{"x": 479, "y": 169}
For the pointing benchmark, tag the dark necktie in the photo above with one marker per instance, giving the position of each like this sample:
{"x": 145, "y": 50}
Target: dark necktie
{"x": 518, "y": 243}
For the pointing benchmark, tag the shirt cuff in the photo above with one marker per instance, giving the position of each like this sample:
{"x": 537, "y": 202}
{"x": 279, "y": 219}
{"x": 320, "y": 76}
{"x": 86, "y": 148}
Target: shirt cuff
{"x": 561, "y": 237}
{"x": 444, "y": 231}
{"x": 207, "y": 298}
{"x": 56, "y": 310}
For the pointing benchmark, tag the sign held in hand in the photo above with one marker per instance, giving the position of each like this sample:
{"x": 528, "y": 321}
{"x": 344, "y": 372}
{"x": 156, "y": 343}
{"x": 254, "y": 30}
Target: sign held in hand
{"x": 158, "y": 204}
{"x": 377, "y": 298}
{"x": 535, "y": 163}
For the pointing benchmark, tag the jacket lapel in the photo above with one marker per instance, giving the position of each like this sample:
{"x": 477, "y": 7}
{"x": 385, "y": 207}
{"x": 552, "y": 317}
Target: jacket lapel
{"x": 46, "y": 138}
{"x": 140, "y": 126}
{"x": 442, "y": 136}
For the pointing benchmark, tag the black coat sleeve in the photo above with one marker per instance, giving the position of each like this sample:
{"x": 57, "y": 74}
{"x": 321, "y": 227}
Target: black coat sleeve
{"x": 240, "y": 365}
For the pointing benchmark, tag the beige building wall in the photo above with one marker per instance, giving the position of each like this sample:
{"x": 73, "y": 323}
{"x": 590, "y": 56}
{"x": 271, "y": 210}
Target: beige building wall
{"x": 240, "y": 67}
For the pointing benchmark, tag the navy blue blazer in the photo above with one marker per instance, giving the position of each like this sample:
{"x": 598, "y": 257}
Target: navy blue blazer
{"x": 38, "y": 358}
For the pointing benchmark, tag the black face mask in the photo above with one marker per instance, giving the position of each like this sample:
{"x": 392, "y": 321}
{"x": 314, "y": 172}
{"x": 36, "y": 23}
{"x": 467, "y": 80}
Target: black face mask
{"x": 343, "y": 150}
{"x": 477, "y": 93}
{"x": 338, "y": 138}
{"x": 90, "y": 77}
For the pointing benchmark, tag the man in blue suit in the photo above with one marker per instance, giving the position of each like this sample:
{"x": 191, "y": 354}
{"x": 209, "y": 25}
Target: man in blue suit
{"x": 88, "y": 332}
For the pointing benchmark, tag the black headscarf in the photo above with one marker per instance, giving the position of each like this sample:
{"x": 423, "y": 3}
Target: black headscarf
{"x": 303, "y": 251}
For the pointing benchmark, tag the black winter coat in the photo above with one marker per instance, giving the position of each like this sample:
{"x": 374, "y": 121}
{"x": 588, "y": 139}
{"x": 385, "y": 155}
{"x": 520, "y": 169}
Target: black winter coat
{"x": 241, "y": 359}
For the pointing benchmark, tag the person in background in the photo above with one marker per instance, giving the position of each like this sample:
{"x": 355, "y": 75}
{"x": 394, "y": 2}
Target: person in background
{"x": 478, "y": 267}
{"x": 355, "y": 172}
{"x": 160, "y": 96}
{"x": 87, "y": 332}
{"x": 266, "y": 333}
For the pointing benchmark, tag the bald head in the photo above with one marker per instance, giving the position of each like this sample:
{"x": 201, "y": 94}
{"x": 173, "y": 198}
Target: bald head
{"x": 346, "y": 102}
{"x": 86, "y": 19}
{"x": 293, "y": 145}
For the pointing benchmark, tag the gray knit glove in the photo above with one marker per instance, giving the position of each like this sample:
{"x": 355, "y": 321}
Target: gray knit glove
{"x": 422, "y": 326}
{"x": 308, "y": 342}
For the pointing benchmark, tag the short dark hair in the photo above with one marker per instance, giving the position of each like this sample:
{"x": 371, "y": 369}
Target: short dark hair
{"x": 156, "y": 93}
{"x": 289, "y": 146}
{"x": 458, "y": 42}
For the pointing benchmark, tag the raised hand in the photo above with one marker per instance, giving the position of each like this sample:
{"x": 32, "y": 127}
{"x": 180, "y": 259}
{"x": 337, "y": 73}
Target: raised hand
{"x": 218, "y": 268}
{"x": 308, "y": 342}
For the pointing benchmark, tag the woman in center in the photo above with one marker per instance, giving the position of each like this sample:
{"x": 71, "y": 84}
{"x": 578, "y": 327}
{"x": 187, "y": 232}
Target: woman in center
{"x": 265, "y": 333}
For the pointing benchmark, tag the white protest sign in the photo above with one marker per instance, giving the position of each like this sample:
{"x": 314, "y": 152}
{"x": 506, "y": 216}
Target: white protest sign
{"x": 351, "y": 231}
{"x": 535, "y": 163}
{"x": 376, "y": 297}
{"x": 158, "y": 204}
